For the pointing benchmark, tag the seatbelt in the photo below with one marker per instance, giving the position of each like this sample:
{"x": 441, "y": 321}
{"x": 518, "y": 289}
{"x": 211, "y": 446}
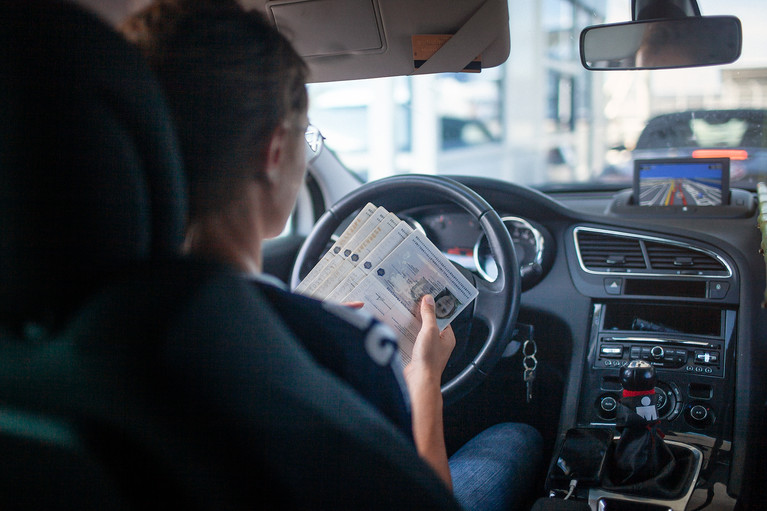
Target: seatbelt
{"x": 470, "y": 41}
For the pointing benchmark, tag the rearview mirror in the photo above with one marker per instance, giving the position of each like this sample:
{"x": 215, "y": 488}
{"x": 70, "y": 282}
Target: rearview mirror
{"x": 661, "y": 44}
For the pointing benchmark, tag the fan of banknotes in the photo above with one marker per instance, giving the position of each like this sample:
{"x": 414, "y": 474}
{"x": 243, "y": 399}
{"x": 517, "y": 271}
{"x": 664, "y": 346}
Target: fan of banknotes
{"x": 387, "y": 265}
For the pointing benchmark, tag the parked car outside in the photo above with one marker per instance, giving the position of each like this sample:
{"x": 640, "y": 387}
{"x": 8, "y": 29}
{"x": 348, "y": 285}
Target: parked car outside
{"x": 737, "y": 134}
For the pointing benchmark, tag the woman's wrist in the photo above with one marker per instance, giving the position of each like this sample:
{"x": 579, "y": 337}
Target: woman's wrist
{"x": 427, "y": 406}
{"x": 422, "y": 380}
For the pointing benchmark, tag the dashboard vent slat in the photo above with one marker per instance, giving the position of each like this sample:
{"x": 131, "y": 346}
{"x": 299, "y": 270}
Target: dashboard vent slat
{"x": 673, "y": 257}
{"x": 603, "y": 251}
{"x": 607, "y": 252}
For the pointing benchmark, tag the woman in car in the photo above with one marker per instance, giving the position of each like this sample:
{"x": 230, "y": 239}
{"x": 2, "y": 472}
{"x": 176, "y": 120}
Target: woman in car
{"x": 237, "y": 92}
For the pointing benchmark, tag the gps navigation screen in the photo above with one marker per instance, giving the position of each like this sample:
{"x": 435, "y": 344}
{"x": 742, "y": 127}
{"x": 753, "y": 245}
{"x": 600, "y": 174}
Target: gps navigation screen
{"x": 682, "y": 182}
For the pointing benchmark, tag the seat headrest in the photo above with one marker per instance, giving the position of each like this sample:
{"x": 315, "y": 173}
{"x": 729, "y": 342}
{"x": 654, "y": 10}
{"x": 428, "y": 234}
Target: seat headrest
{"x": 91, "y": 170}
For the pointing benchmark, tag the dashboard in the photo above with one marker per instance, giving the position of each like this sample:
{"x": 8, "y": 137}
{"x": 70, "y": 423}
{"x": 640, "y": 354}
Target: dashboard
{"x": 604, "y": 283}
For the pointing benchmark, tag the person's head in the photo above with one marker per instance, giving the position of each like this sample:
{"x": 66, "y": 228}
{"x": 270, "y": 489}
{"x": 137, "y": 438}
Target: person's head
{"x": 236, "y": 88}
{"x": 679, "y": 43}
{"x": 444, "y": 304}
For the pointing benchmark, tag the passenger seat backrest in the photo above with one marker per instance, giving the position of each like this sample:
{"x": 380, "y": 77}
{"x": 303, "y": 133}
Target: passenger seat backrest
{"x": 90, "y": 181}
{"x": 91, "y": 175}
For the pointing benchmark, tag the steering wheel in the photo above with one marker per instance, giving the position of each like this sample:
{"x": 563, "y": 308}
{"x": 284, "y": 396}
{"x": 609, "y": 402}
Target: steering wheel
{"x": 497, "y": 303}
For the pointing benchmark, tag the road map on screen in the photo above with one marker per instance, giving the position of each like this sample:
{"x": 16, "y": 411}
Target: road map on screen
{"x": 682, "y": 183}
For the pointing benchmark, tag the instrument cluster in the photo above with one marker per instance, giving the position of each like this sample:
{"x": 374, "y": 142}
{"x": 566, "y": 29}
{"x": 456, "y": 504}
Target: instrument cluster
{"x": 462, "y": 240}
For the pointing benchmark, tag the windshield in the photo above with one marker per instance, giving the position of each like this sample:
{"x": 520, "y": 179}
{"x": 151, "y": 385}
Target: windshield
{"x": 540, "y": 119}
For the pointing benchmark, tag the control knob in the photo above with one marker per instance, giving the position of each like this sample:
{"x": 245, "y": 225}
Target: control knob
{"x": 698, "y": 412}
{"x": 698, "y": 415}
{"x": 656, "y": 352}
{"x": 608, "y": 404}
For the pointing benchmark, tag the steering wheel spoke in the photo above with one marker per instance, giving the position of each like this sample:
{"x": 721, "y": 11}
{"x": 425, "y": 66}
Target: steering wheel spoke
{"x": 489, "y": 304}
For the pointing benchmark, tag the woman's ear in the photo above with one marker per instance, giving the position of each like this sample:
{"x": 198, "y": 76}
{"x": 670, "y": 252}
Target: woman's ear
{"x": 276, "y": 151}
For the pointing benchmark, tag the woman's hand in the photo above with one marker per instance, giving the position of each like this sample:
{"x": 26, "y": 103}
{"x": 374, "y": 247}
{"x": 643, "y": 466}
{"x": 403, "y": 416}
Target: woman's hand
{"x": 430, "y": 355}
{"x": 432, "y": 348}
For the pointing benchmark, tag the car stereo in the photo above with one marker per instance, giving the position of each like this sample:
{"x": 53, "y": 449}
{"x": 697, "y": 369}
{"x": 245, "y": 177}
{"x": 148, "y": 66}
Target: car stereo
{"x": 703, "y": 357}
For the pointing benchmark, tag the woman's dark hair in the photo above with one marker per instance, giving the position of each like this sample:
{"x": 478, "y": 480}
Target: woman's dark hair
{"x": 230, "y": 79}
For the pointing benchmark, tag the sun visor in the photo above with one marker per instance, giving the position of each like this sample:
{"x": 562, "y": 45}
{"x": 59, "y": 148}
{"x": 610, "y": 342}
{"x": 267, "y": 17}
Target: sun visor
{"x": 351, "y": 39}
{"x": 322, "y": 28}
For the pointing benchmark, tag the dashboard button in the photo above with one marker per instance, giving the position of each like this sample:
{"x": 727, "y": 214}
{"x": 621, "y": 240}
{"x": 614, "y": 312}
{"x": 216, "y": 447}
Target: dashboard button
{"x": 698, "y": 412}
{"x": 612, "y": 351}
{"x": 613, "y": 285}
{"x": 608, "y": 404}
{"x": 699, "y": 416}
{"x": 718, "y": 290}
{"x": 707, "y": 357}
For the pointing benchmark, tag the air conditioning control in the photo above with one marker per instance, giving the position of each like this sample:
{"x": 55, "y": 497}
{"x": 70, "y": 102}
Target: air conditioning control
{"x": 607, "y": 406}
{"x": 698, "y": 415}
{"x": 698, "y": 412}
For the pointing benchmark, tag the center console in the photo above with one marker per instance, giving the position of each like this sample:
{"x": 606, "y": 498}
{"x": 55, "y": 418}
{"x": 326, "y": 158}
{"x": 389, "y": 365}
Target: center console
{"x": 674, "y": 306}
{"x": 689, "y": 346}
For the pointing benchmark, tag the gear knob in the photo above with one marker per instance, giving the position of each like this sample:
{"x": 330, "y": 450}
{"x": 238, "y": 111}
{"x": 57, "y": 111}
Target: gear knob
{"x": 638, "y": 380}
{"x": 638, "y": 376}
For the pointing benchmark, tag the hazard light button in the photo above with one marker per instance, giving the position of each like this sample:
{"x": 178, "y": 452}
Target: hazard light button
{"x": 613, "y": 285}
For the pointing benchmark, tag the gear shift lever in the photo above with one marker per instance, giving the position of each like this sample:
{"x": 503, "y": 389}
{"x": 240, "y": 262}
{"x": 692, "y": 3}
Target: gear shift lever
{"x": 640, "y": 456}
{"x": 638, "y": 380}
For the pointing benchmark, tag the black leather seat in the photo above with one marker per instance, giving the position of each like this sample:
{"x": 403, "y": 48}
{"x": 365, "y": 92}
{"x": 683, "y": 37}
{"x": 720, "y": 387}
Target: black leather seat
{"x": 129, "y": 377}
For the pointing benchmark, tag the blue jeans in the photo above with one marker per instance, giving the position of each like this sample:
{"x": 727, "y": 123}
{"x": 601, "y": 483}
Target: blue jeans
{"x": 497, "y": 468}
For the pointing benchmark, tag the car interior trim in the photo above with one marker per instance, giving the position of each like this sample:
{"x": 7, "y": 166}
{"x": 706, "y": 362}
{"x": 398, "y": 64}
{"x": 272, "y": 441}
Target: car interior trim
{"x": 622, "y": 234}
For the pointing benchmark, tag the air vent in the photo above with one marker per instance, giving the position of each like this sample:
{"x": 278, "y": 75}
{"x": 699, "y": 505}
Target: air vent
{"x": 600, "y": 251}
{"x": 606, "y": 252}
{"x": 680, "y": 258}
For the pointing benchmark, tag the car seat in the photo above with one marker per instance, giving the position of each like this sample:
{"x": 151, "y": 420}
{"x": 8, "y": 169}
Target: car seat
{"x": 129, "y": 376}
